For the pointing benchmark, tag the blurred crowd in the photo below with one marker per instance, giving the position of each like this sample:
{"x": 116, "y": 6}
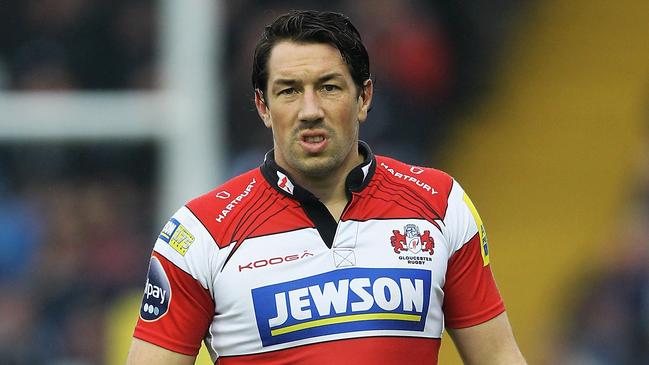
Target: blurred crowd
{"x": 78, "y": 220}
{"x": 77, "y": 44}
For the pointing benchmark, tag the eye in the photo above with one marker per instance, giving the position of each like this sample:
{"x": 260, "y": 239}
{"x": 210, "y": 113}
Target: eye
{"x": 330, "y": 87}
{"x": 287, "y": 91}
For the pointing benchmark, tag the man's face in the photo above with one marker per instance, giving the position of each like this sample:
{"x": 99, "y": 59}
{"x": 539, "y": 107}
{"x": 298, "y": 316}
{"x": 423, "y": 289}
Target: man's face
{"x": 314, "y": 109}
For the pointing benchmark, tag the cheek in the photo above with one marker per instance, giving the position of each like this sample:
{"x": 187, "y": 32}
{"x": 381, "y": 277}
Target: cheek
{"x": 280, "y": 127}
{"x": 281, "y": 116}
{"x": 350, "y": 118}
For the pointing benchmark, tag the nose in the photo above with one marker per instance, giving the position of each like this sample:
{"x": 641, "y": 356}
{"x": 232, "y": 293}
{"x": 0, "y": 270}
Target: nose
{"x": 311, "y": 107}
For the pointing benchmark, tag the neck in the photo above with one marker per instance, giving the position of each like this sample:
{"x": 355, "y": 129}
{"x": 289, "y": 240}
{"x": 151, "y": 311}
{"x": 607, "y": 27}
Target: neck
{"x": 330, "y": 189}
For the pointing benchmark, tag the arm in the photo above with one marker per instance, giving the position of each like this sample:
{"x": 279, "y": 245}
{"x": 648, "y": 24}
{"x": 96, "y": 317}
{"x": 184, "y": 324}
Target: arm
{"x": 177, "y": 308}
{"x": 144, "y": 353}
{"x": 489, "y": 343}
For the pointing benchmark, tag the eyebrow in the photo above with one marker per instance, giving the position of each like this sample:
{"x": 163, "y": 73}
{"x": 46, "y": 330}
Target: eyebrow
{"x": 321, "y": 79}
{"x": 285, "y": 82}
{"x": 330, "y": 76}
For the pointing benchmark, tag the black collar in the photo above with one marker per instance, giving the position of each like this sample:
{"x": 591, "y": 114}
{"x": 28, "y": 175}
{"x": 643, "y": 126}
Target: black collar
{"x": 356, "y": 180}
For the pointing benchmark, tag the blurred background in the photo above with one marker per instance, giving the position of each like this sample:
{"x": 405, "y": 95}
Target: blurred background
{"x": 114, "y": 113}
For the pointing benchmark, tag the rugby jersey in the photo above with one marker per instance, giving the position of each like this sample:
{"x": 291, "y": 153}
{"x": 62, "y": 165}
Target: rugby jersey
{"x": 260, "y": 271}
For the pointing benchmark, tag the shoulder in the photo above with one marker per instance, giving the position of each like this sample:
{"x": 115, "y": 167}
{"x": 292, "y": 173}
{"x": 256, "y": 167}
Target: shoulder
{"x": 409, "y": 189}
{"x": 231, "y": 189}
{"x": 421, "y": 179}
{"x": 218, "y": 208}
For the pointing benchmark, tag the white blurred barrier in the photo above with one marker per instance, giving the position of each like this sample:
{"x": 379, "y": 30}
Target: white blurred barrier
{"x": 185, "y": 116}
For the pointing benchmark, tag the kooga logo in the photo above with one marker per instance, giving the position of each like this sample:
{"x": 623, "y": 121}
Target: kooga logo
{"x": 341, "y": 301}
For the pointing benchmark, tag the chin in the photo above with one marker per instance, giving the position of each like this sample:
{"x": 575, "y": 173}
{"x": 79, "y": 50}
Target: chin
{"x": 317, "y": 166}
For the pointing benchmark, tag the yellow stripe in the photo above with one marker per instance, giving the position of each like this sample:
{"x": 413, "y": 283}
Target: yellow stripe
{"x": 481, "y": 230}
{"x": 344, "y": 319}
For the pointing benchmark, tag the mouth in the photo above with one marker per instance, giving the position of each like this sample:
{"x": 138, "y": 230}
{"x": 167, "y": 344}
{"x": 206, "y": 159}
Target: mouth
{"x": 313, "y": 142}
{"x": 313, "y": 139}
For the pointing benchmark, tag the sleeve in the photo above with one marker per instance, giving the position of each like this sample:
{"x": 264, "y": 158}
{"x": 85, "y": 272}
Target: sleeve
{"x": 177, "y": 305}
{"x": 470, "y": 293}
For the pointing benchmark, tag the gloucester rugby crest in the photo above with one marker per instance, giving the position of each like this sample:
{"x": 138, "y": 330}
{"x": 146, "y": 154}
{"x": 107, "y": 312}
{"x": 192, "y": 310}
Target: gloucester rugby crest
{"x": 411, "y": 240}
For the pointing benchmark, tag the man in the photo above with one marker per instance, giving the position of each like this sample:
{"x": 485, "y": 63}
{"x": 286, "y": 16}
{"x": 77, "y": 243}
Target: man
{"x": 326, "y": 254}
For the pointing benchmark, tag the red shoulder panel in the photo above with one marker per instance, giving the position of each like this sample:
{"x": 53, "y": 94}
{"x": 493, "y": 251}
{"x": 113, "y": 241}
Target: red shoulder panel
{"x": 398, "y": 190}
{"x": 246, "y": 206}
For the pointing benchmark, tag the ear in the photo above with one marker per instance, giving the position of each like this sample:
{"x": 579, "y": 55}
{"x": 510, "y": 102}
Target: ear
{"x": 262, "y": 108}
{"x": 365, "y": 100}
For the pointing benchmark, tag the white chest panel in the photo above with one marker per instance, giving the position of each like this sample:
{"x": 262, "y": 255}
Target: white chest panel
{"x": 282, "y": 290}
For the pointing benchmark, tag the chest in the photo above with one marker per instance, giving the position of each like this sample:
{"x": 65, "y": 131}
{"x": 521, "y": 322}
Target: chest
{"x": 378, "y": 275}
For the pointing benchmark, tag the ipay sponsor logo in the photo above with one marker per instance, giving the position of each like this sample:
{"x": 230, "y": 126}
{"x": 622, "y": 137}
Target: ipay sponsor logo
{"x": 157, "y": 292}
{"x": 342, "y": 301}
{"x": 228, "y": 208}
{"x": 273, "y": 261}
{"x": 409, "y": 178}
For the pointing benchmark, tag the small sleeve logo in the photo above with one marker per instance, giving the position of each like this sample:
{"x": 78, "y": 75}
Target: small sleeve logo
{"x": 484, "y": 245}
{"x": 157, "y": 292}
{"x": 177, "y": 236}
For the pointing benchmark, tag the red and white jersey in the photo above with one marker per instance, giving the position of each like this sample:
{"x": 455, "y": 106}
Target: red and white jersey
{"x": 261, "y": 272}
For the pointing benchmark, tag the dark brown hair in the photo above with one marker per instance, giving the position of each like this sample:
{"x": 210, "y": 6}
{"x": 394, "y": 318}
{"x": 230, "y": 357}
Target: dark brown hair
{"x": 310, "y": 26}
